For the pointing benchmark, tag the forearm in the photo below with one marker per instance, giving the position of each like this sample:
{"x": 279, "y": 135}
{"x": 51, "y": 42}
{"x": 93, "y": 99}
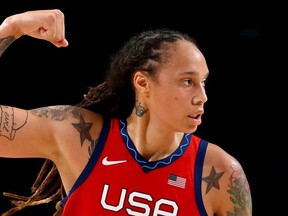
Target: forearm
{"x": 41, "y": 24}
{"x": 9, "y": 32}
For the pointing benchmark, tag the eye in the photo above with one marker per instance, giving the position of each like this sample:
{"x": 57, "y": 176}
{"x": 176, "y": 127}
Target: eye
{"x": 187, "y": 82}
{"x": 204, "y": 82}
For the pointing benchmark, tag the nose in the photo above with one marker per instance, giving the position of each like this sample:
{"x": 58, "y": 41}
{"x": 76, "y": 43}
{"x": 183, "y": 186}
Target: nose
{"x": 200, "y": 96}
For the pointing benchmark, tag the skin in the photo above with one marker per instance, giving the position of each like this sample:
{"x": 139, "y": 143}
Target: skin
{"x": 174, "y": 104}
{"x": 46, "y": 25}
{"x": 180, "y": 86}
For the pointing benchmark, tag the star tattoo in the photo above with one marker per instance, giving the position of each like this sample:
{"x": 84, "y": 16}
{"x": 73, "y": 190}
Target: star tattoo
{"x": 212, "y": 179}
{"x": 83, "y": 129}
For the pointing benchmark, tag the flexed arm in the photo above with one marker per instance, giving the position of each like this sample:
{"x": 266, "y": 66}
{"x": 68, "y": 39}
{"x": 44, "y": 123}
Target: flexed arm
{"x": 47, "y": 25}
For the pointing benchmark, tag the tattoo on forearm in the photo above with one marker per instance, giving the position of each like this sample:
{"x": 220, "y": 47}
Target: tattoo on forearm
{"x": 5, "y": 43}
{"x": 239, "y": 191}
{"x": 9, "y": 124}
{"x": 212, "y": 179}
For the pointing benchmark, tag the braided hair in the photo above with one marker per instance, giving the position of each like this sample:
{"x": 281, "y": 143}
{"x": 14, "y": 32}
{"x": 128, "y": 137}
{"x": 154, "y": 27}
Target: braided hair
{"x": 114, "y": 97}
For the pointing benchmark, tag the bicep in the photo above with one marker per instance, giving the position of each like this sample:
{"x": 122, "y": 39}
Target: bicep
{"x": 24, "y": 133}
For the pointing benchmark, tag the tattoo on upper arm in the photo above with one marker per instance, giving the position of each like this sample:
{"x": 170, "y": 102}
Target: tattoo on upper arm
{"x": 60, "y": 113}
{"x": 84, "y": 129}
{"x": 92, "y": 147}
{"x": 212, "y": 179}
{"x": 5, "y": 43}
{"x": 9, "y": 124}
{"x": 239, "y": 191}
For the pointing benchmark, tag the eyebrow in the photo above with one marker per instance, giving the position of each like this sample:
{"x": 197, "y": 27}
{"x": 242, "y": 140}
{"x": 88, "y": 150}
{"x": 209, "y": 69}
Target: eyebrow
{"x": 193, "y": 73}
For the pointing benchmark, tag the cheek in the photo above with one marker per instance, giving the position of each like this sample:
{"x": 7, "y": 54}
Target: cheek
{"x": 167, "y": 98}
{"x": 161, "y": 99}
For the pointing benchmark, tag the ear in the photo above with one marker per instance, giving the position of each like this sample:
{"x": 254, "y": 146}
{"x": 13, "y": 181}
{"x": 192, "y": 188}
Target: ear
{"x": 141, "y": 82}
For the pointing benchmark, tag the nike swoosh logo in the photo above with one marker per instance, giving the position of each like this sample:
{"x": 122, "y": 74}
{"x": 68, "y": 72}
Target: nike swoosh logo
{"x": 106, "y": 162}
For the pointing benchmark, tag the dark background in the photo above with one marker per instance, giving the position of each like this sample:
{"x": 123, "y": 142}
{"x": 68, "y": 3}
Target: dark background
{"x": 245, "y": 47}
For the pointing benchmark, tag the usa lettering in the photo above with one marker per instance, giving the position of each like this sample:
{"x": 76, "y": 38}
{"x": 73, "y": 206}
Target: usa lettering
{"x": 132, "y": 197}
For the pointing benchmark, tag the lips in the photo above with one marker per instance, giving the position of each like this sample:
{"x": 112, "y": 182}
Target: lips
{"x": 195, "y": 119}
{"x": 197, "y": 115}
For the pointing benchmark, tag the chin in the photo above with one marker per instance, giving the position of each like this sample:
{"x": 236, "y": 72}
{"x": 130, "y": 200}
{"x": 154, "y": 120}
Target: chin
{"x": 190, "y": 129}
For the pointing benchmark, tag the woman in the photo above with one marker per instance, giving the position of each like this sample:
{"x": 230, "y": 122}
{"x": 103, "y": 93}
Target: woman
{"x": 128, "y": 148}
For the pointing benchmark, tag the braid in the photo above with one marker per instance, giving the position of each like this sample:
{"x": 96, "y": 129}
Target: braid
{"x": 96, "y": 95}
{"x": 107, "y": 101}
{"x": 48, "y": 187}
{"x": 44, "y": 191}
{"x": 115, "y": 97}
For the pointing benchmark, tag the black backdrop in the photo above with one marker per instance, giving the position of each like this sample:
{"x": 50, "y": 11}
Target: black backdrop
{"x": 245, "y": 49}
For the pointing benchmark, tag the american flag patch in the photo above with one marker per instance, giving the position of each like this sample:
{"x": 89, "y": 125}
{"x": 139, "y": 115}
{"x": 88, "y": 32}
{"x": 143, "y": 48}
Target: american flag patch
{"x": 176, "y": 181}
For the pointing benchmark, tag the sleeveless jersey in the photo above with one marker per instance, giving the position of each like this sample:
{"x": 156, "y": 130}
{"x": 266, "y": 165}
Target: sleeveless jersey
{"x": 118, "y": 181}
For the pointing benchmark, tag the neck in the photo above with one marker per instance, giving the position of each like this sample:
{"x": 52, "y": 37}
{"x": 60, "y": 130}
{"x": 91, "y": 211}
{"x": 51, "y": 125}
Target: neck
{"x": 151, "y": 141}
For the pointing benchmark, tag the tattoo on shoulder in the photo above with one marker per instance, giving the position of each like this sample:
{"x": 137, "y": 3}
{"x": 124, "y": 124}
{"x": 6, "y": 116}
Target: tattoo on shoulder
{"x": 84, "y": 129}
{"x": 5, "y": 43}
{"x": 239, "y": 191}
{"x": 92, "y": 147}
{"x": 10, "y": 122}
{"x": 212, "y": 179}
{"x": 58, "y": 113}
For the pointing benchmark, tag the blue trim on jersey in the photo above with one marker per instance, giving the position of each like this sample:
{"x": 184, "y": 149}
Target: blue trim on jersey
{"x": 146, "y": 165}
{"x": 198, "y": 176}
{"x": 93, "y": 159}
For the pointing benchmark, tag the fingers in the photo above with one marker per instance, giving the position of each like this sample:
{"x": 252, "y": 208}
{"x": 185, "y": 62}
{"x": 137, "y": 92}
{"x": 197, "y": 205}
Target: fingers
{"x": 53, "y": 28}
{"x": 63, "y": 43}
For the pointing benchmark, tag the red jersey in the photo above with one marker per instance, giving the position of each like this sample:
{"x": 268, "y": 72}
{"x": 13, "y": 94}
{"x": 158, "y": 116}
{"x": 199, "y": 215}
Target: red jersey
{"x": 119, "y": 181}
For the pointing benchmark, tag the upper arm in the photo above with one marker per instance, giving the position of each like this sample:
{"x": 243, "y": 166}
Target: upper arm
{"x": 67, "y": 135}
{"x": 225, "y": 188}
{"x": 33, "y": 133}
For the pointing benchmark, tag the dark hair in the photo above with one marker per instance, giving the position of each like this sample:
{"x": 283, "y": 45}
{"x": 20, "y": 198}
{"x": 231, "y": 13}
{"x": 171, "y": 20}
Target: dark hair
{"x": 114, "y": 97}
{"x": 146, "y": 51}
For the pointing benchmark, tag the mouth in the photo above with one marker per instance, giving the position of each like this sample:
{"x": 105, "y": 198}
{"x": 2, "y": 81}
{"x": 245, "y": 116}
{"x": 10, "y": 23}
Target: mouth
{"x": 196, "y": 115}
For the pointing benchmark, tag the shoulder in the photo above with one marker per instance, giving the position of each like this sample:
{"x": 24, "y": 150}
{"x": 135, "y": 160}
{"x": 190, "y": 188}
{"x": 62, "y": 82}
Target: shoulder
{"x": 81, "y": 119}
{"x": 68, "y": 124}
{"x": 76, "y": 132}
{"x": 225, "y": 187}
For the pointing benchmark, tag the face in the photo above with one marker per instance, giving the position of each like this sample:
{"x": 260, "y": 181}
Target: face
{"x": 176, "y": 100}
